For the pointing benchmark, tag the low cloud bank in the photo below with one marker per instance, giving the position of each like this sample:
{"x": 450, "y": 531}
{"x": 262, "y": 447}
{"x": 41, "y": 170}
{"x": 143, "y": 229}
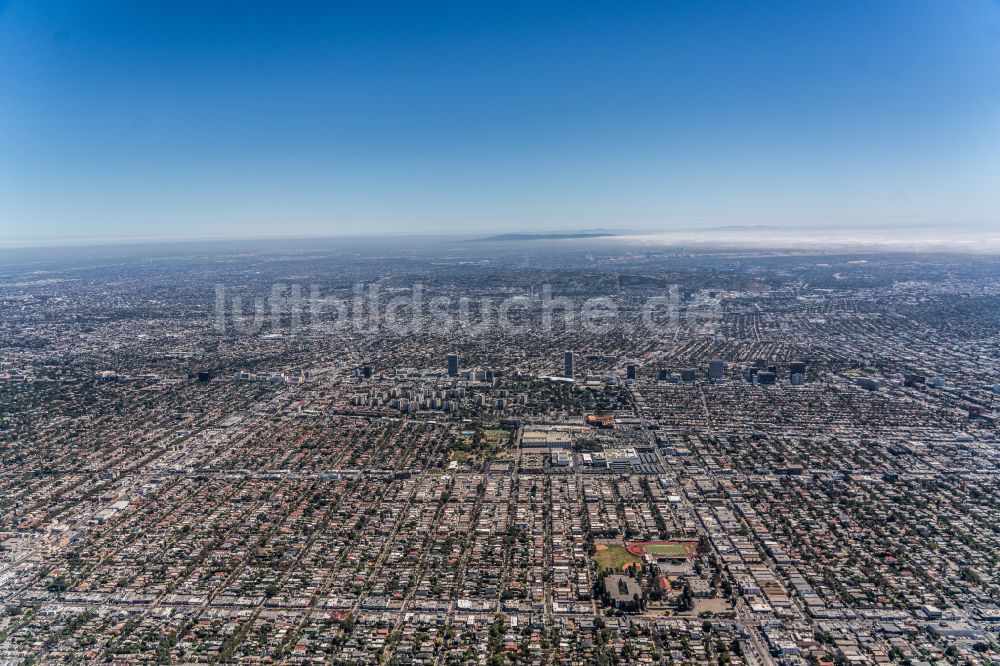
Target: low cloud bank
{"x": 828, "y": 240}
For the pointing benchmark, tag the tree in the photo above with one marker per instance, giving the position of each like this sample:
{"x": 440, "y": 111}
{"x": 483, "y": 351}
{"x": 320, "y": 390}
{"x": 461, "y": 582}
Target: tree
{"x": 687, "y": 598}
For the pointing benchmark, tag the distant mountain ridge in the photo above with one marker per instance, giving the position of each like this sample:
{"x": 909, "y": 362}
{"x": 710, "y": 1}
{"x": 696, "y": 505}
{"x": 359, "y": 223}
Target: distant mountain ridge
{"x": 547, "y": 236}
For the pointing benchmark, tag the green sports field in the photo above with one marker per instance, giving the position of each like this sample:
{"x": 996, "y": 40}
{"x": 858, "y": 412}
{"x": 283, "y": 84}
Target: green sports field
{"x": 613, "y": 557}
{"x": 663, "y": 548}
{"x": 667, "y": 549}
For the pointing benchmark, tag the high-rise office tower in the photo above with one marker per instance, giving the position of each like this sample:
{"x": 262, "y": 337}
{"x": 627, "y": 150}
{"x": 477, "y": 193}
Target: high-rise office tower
{"x": 630, "y": 372}
{"x": 453, "y": 365}
{"x": 766, "y": 378}
{"x": 568, "y": 362}
{"x": 716, "y": 370}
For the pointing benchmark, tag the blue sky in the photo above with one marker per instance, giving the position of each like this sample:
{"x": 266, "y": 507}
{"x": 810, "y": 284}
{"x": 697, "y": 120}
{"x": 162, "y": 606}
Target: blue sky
{"x": 183, "y": 118}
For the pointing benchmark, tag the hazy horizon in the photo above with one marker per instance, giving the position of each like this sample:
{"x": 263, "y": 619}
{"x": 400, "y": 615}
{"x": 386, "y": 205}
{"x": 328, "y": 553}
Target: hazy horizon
{"x": 828, "y": 239}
